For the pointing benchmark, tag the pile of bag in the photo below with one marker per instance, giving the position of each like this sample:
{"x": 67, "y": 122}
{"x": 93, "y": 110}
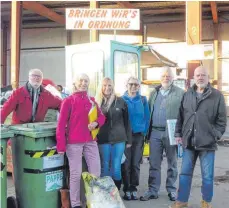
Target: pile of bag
{"x": 101, "y": 192}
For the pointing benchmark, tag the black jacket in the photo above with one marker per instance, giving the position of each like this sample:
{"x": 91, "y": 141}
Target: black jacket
{"x": 204, "y": 120}
{"x": 117, "y": 126}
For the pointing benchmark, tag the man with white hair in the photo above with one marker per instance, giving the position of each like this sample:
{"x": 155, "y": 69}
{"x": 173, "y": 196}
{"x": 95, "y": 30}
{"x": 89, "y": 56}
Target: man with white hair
{"x": 164, "y": 102}
{"x": 200, "y": 124}
{"x": 31, "y": 102}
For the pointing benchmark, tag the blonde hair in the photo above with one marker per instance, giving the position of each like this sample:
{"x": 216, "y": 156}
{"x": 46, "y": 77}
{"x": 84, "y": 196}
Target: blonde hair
{"x": 76, "y": 79}
{"x": 100, "y": 96}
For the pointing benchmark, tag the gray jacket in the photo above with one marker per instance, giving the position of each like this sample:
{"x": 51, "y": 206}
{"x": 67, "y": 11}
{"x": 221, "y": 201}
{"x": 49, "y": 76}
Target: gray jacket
{"x": 172, "y": 104}
{"x": 203, "y": 121}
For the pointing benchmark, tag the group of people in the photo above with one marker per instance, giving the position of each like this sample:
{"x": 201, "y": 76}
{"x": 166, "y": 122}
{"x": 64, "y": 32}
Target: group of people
{"x": 127, "y": 122}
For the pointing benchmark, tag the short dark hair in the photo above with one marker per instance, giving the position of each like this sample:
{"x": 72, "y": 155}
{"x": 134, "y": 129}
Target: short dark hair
{"x": 60, "y": 86}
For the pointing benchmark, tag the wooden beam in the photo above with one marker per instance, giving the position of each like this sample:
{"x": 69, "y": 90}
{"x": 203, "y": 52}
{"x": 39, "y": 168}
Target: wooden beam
{"x": 125, "y": 4}
{"x": 193, "y": 22}
{"x": 94, "y": 34}
{"x": 193, "y": 31}
{"x": 216, "y": 63}
{"x": 43, "y": 11}
{"x": 15, "y": 42}
{"x": 214, "y": 11}
{"x": 4, "y": 55}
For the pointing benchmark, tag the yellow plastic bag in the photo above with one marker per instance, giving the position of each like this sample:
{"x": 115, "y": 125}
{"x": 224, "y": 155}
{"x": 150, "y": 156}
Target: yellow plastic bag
{"x": 93, "y": 116}
{"x": 146, "y": 150}
{"x": 101, "y": 192}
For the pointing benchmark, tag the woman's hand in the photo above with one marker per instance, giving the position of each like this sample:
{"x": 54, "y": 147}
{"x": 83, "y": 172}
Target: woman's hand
{"x": 61, "y": 153}
{"x": 92, "y": 126}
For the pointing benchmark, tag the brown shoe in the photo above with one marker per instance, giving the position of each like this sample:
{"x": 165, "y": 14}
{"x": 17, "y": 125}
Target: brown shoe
{"x": 205, "y": 204}
{"x": 178, "y": 204}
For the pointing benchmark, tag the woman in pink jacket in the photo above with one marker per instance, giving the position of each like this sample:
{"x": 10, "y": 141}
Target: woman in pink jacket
{"x": 74, "y": 135}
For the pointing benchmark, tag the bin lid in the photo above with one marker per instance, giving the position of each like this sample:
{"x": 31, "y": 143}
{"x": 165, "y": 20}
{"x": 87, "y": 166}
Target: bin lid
{"x": 6, "y": 133}
{"x": 35, "y": 130}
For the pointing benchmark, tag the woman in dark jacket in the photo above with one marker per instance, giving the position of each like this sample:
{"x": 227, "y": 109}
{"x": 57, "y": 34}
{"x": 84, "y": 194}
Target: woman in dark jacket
{"x": 115, "y": 134}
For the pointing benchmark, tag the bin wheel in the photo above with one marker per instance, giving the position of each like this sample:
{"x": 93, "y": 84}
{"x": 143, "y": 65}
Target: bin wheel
{"x": 11, "y": 202}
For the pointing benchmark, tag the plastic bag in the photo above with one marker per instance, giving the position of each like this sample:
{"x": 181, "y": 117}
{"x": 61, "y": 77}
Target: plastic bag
{"x": 101, "y": 192}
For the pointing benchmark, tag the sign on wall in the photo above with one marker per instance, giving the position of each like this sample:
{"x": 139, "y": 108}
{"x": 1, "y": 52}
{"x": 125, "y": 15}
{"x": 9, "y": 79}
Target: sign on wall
{"x": 200, "y": 52}
{"x": 102, "y": 19}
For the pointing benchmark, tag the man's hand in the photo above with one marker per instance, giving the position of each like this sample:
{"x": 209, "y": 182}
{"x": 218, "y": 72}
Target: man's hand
{"x": 92, "y": 126}
{"x": 178, "y": 140}
{"x": 128, "y": 145}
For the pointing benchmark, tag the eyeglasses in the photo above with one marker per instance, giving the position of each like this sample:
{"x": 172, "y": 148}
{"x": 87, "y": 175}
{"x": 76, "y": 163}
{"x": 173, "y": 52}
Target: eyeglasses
{"x": 35, "y": 76}
{"x": 133, "y": 84}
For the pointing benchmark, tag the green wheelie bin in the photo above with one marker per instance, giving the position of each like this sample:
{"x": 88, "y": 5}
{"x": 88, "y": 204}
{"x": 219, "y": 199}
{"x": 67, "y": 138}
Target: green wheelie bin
{"x": 38, "y": 169}
{"x": 5, "y": 135}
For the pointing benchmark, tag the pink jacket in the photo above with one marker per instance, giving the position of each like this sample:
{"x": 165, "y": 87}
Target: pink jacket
{"x": 73, "y": 121}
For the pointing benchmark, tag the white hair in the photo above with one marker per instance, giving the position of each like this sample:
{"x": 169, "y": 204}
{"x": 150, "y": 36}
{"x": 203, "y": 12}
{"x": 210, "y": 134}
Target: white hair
{"x": 37, "y": 71}
{"x": 168, "y": 70}
{"x": 134, "y": 78}
{"x": 77, "y": 78}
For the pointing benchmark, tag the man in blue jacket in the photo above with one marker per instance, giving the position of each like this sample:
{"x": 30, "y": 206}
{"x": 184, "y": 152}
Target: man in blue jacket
{"x": 139, "y": 119}
{"x": 164, "y": 102}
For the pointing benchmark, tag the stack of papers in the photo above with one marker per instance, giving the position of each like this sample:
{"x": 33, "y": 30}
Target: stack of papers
{"x": 171, "y": 130}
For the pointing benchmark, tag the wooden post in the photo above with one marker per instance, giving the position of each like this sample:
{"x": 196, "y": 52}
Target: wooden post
{"x": 216, "y": 47}
{"x": 4, "y": 55}
{"x": 217, "y": 75}
{"x": 15, "y": 42}
{"x": 193, "y": 30}
{"x": 94, "y": 34}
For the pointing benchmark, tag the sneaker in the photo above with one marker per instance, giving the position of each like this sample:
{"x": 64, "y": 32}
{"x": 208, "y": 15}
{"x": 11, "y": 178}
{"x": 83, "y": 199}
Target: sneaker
{"x": 134, "y": 195}
{"x": 205, "y": 204}
{"x": 147, "y": 196}
{"x": 172, "y": 196}
{"x": 178, "y": 204}
{"x": 127, "y": 196}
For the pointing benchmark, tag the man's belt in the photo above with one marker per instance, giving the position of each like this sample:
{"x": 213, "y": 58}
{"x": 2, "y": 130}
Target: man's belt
{"x": 158, "y": 128}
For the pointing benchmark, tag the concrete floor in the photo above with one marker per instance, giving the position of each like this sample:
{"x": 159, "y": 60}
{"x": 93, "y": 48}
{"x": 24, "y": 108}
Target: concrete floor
{"x": 221, "y": 196}
{"x": 221, "y": 188}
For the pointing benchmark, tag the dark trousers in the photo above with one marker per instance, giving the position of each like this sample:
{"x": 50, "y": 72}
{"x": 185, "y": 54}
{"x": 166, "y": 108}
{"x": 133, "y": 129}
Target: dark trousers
{"x": 159, "y": 143}
{"x": 131, "y": 167}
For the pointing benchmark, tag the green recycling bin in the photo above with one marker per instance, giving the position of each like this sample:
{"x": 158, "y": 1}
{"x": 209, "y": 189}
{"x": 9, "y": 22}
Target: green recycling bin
{"x": 5, "y": 135}
{"x": 38, "y": 169}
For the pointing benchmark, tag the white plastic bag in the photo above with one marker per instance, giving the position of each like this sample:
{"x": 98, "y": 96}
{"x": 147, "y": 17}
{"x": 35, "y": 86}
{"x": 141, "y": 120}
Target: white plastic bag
{"x": 101, "y": 192}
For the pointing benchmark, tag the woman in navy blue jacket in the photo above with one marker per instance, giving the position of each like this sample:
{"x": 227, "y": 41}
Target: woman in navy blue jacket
{"x": 139, "y": 116}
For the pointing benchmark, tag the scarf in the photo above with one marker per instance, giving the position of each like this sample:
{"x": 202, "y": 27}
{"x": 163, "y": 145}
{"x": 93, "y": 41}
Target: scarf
{"x": 34, "y": 94}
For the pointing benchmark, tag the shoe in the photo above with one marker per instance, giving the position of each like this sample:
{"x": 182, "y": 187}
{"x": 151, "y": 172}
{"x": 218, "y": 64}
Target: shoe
{"x": 77, "y": 207}
{"x": 178, "y": 204}
{"x": 205, "y": 204}
{"x": 147, "y": 196}
{"x": 134, "y": 195}
{"x": 172, "y": 196}
{"x": 127, "y": 196}
{"x": 12, "y": 202}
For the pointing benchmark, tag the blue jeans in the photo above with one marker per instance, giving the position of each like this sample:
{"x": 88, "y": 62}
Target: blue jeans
{"x": 111, "y": 156}
{"x": 207, "y": 159}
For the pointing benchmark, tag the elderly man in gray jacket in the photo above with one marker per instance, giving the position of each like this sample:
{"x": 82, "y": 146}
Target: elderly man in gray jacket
{"x": 201, "y": 123}
{"x": 164, "y": 103}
